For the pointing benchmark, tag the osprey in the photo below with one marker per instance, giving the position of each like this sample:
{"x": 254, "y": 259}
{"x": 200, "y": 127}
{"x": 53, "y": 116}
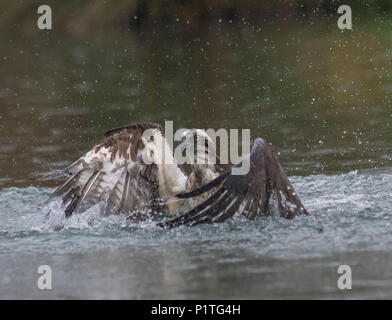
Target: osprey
{"x": 130, "y": 172}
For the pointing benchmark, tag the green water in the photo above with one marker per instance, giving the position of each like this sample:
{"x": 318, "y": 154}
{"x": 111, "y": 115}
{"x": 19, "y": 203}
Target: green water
{"x": 319, "y": 95}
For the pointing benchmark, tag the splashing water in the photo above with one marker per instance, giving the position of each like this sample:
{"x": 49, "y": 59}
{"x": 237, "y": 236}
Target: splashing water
{"x": 109, "y": 257}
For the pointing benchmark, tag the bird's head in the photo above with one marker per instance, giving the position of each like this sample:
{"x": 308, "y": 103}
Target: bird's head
{"x": 200, "y": 148}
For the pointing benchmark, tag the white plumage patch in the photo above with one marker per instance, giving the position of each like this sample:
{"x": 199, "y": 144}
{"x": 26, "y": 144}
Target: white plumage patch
{"x": 126, "y": 172}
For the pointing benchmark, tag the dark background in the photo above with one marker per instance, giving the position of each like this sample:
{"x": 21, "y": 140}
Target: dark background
{"x": 283, "y": 69}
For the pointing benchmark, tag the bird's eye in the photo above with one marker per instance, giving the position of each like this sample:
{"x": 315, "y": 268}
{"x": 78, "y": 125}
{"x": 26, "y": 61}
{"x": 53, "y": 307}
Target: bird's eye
{"x": 197, "y": 138}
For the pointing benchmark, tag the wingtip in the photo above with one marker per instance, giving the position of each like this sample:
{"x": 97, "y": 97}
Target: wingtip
{"x": 57, "y": 174}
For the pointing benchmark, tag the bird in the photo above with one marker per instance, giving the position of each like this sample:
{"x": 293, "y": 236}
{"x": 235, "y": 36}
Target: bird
{"x": 133, "y": 171}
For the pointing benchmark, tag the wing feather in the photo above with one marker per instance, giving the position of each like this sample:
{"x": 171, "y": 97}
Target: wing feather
{"x": 66, "y": 186}
{"x": 113, "y": 172}
{"x": 249, "y": 194}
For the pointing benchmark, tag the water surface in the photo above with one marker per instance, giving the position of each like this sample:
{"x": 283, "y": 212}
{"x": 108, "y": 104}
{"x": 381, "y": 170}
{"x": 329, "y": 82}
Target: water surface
{"x": 95, "y": 257}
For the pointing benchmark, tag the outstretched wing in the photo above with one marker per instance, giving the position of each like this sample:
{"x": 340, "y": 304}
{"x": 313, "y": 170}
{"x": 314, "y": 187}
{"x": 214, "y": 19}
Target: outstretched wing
{"x": 248, "y": 194}
{"x": 112, "y": 173}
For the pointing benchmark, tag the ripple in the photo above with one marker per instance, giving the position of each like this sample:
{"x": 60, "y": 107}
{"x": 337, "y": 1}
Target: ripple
{"x": 349, "y": 212}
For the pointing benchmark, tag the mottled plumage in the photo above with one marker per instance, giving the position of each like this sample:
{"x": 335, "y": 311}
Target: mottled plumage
{"x": 136, "y": 174}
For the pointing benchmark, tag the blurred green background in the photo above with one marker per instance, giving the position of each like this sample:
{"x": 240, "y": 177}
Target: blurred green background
{"x": 283, "y": 69}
